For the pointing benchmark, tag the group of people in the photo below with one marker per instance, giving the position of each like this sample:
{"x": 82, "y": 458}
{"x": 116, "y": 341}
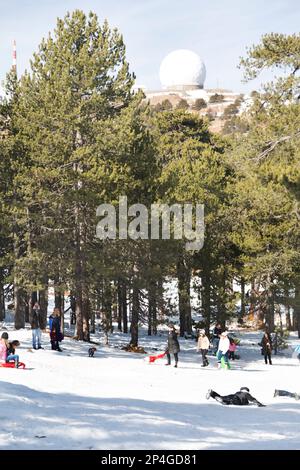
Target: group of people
{"x": 224, "y": 351}
{"x": 54, "y": 328}
{"x": 8, "y": 348}
{"x": 223, "y": 345}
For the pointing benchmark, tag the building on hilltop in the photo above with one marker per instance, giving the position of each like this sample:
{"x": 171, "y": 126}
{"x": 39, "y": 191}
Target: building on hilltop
{"x": 182, "y": 75}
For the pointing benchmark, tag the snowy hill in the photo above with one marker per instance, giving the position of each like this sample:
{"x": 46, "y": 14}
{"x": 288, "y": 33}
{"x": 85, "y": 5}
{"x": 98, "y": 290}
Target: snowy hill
{"x": 117, "y": 400}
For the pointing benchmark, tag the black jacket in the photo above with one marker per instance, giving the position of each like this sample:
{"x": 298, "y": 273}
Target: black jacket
{"x": 241, "y": 398}
{"x": 217, "y": 332}
{"x": 266, "y": 344}
{"x": 55, "y": 327}
{"x": 35, "y": 319}
{"x": 173, "y": 344}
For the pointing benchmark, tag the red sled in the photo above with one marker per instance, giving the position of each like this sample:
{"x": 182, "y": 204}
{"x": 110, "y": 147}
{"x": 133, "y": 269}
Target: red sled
{"x": 159, "y": 356}
{"x": 11, "y": 365}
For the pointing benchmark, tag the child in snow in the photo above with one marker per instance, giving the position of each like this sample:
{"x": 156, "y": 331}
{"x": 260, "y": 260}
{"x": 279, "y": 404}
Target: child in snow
{"x": 3, "y": 347}
{"x": 203, "y": 346}
{"x": 223, "y": 348}
{"x": 232, "y": 349}
{"x": 173, "y": 345}
{"x": 11, "y": 352}
{"x": 55, "y": 332}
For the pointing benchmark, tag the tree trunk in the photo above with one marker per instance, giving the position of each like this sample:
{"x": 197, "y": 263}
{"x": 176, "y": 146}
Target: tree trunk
{"x": 270, "y": 310}
{"x": 120, "y": 305}
{"x": 86, "y": 314}
{"x": 73, "y": 309}
{"x": 184, "y": 281}
{"x": 107, "y": 305}
{"x": 243, "y": 303}
{"x": 152, "y": 308}
{"x": 81, "y": 291}
{"x": 135, "y": 317}
{"x": 43, "y": 297}
{"x": 93, "y": 322}
{"x": 58, "y": 298}
{"x": 124, "y": 308}
{"x": 19, "y": 307}
{"x": 205, "y": 299}
{"x": 114, "y": 301}
{"x": 288, "y": 320}
{"x": 296, "y": 314}
{"x": 81, "y": 300}
{"x": 2, "y": 303}
{"x": 79, "y": 313}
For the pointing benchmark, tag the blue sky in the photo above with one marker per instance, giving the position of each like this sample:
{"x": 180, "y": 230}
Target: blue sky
{"x": 218, "y": 30}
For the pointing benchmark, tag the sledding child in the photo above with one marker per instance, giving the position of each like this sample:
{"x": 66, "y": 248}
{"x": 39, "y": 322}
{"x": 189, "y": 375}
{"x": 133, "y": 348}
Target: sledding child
{"x": 11, "y": 352}
{"x": 203, "y": 346}
{"x": 3, "y": 347}
{"x": 232, "y": 349}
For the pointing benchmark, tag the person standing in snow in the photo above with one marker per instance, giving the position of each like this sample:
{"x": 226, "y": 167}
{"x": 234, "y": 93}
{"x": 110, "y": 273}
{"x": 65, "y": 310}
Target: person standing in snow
{"x": 55, "y": 333}
{"x": 266, "y": 344}
{"x": 36, "y": 323}
{"x": 240, "y": 398}
{"x": 223, "y": 348}
{"x": 216, "y": 336}
{"x": 173, "y": 345}
{"x": 232, "y": 349}
{"x": 203, "y": 346}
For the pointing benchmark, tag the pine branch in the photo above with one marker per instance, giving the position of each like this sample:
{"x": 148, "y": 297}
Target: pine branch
{"x": 270, "y": 146}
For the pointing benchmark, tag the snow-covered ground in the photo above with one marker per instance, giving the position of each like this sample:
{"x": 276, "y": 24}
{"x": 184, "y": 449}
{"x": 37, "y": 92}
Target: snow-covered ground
{"x": 117, "y": 400}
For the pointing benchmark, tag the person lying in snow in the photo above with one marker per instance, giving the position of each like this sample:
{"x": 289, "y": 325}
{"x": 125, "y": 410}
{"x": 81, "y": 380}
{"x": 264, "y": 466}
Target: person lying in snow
{"x": 284, "y": 393}
{"x": 240, "y": 398}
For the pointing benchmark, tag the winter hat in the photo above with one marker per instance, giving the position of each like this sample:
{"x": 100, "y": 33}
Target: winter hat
{"x": 4, "y": 335}
{"x": 202, "y": 332}
{"x": 225, "y": 333}
{"x": 244, "y": 389}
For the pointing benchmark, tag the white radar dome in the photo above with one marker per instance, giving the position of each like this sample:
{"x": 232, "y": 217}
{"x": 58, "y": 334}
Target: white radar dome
{"x": 182, "y": 70}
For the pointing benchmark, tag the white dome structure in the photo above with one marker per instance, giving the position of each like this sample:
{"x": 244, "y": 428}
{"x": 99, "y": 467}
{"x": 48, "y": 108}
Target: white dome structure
{"x": 182, "y": 70}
